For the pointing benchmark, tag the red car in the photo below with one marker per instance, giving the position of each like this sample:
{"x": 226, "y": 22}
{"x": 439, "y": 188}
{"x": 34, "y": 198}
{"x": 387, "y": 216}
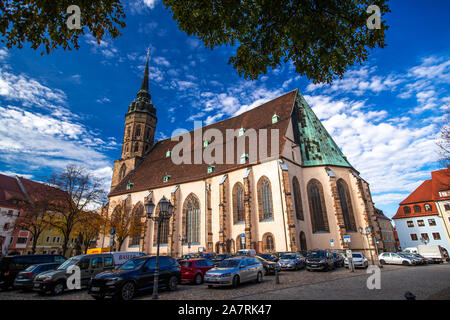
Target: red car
{"x": 193, "y": 270}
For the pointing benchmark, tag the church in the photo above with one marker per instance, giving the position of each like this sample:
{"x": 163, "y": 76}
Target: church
{"x": 302, "y": 195}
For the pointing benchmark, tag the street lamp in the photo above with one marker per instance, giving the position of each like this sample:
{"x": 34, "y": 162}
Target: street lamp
{"x": 165, "y": 212}
{"x": 367, "y": 232}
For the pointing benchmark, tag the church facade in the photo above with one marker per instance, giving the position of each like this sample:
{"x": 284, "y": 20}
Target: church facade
{"x": 301, "y": 194}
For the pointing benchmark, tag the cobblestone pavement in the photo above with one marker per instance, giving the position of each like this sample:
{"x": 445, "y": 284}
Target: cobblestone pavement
{"x": 430, "y": 281}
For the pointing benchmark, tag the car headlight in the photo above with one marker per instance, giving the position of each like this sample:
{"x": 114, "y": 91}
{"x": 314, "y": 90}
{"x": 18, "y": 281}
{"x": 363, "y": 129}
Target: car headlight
{"x": 225, "y": 275}
{"x": 112, "y": 281}
{"x": 322, "y": 261}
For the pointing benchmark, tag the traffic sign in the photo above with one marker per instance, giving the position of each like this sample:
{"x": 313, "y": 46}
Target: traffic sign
{"x": 332, "y": 242}
{"x": 347, "y": 238}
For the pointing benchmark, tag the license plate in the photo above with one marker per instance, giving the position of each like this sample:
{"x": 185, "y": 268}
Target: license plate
{"x": 95, "y": 289}
{"x": 314, "y": 265}
{"x": 36, "y": 285}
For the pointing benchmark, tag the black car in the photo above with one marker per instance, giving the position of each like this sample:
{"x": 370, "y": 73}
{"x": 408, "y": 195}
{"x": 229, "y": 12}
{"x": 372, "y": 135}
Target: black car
{"x": 269, "y": 257}
{"x": 24, "y": 279}
{"x": 269, "y": 266}
{"x": 136, "y": 275}
{"x": 220, "y": 257}
{"x": 10, "y": 266}
{"x": 320, "y": 260}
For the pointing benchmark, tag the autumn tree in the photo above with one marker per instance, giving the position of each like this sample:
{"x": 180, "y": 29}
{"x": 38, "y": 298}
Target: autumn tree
{"x": 126, "y": 221}
{"x": 88, "y": 229}
{"x": 322, "y": 38}
{"x": 82, "y": 192}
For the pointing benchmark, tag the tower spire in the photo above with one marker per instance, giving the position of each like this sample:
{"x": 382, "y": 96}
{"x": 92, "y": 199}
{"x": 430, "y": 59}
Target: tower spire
{"x": 144, "y": 86}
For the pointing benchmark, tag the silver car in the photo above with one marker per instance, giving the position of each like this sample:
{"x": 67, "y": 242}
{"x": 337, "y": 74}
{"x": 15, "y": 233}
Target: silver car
{"x": 235, "y": 270}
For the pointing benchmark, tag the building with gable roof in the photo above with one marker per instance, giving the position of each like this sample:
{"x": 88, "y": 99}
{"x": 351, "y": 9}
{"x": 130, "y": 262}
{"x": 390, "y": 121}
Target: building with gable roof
{"x": 301, "y": 194}
{"x": 424, "y": 216}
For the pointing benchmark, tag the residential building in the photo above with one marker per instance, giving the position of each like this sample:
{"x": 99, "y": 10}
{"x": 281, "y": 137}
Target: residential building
{"x": 420, "y": 218}
{"x": 301, "y": 194}
{"x": 441, "y": 194}
{"x": 387, "y": 231}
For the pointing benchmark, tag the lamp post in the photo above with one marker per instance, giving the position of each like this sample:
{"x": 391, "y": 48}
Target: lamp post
{"x": 367, "y": 232}
{"x": 165, "y": 212}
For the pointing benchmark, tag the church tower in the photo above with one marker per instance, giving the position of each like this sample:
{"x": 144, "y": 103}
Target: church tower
{"x": 140, "y": 126}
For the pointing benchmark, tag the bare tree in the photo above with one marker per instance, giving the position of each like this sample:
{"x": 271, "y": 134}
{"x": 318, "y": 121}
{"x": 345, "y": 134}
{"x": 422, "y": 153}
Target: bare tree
{"x": 82, "y": 192}
{"x": 37, "y": 216}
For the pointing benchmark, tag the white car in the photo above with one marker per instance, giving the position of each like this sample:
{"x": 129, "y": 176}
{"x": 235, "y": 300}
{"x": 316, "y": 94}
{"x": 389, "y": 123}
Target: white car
{"x": 359, "y": 260}
{"x": 396, "y": 258}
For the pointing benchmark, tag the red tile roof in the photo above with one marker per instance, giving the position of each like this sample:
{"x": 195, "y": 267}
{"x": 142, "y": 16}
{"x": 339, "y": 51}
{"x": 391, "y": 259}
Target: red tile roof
{"x": 426, "y": 193}
{"x": 10, "y": 190}
{"x": 149, "y": 174}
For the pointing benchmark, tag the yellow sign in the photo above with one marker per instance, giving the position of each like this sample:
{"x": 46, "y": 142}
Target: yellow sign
{"x": 97, "y": 250}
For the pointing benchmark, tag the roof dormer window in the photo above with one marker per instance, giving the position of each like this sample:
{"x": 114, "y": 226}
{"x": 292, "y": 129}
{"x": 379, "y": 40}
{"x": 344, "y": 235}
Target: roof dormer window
{"x": 244, "y": 158}
{"x": 206, "y": 143}
{"x": 166, "y": 177}
{"x": 275, "y": 118}
{"x": 168, "y": 153}
{"x": 241, "y": 131}
{"x": 211, "y": 169}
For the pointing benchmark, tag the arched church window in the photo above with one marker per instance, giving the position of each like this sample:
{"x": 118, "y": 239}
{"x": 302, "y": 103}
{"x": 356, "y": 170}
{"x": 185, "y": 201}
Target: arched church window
{"x": 346, "y": 205}
{"x": 265, "y": 199}
{"x": 297, "y": 199}
{"x": 191, "y": 219}
{"x": 238, "y": 203}
{"x": 317, "y": 207}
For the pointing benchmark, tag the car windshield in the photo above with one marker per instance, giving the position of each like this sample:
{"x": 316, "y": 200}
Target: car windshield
{"x": 357, "y": 255}
{"x": 30, "y": 268}
{"x": 288, "y": 256}
{"x": 132, "y": 264}
{"x": 221, "y": 256}
{"x": 70, "y": 262}
{"x": 317, "y": 254}
{"x": 228, "y": 263}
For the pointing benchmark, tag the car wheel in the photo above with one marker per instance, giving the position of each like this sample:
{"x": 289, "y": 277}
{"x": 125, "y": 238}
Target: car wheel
{"x": 405, "y": 263}
{"x": 102, "y": 297}
{"x": 259, "y": 277}
{"x": 128, "y": 290}
{"x": 236, "y": 281}
{"x": 58, "y": 288}
{"x": 198, "y": 279}
{"x": 366, "y": 265}
{"x": 173, "y": 283}
{"x": 382, "y": 261}
{"x": 210, "y": 286}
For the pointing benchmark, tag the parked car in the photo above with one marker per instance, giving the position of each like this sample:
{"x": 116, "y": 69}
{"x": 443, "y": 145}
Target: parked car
{"x": 24, "y": 279}
{"x": 219, "y": 257}
{"x": 136, "y": 275}
{"x": 415, "y": 256}
{"x": 194, "y": 270}
{"x": 206, "y": 255}
{"x": 338, "y": 259}
{"x": 359, "y": 260}
{"x": 269, "y": 266}
{"x": 234, "y": 271}
{"x": 10, "y": 266}
{"x": 291, "y": 261}
{"x": 90, "y": 265}
{"x": 269, "y": 257}
{"x": 320, "y": 260}
{"x": 246, "y": 252}
{"x": 395, "y": 258}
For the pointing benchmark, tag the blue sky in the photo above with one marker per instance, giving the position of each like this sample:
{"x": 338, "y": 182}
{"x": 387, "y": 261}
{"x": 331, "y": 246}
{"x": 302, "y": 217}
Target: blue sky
{"x": 68, "y": 107}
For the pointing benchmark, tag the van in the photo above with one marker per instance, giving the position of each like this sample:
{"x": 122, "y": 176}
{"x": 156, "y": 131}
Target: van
{"x": 10, "y": 266}
{"x": 123, "y": 256}
{"x": 432, "y": 252}
{"x": 56, "y": 281}
{"x": 246, "y": 252}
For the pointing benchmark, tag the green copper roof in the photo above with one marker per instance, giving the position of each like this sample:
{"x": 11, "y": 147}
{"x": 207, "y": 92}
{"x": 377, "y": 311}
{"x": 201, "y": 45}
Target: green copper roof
{"x": 317, "y": 146}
